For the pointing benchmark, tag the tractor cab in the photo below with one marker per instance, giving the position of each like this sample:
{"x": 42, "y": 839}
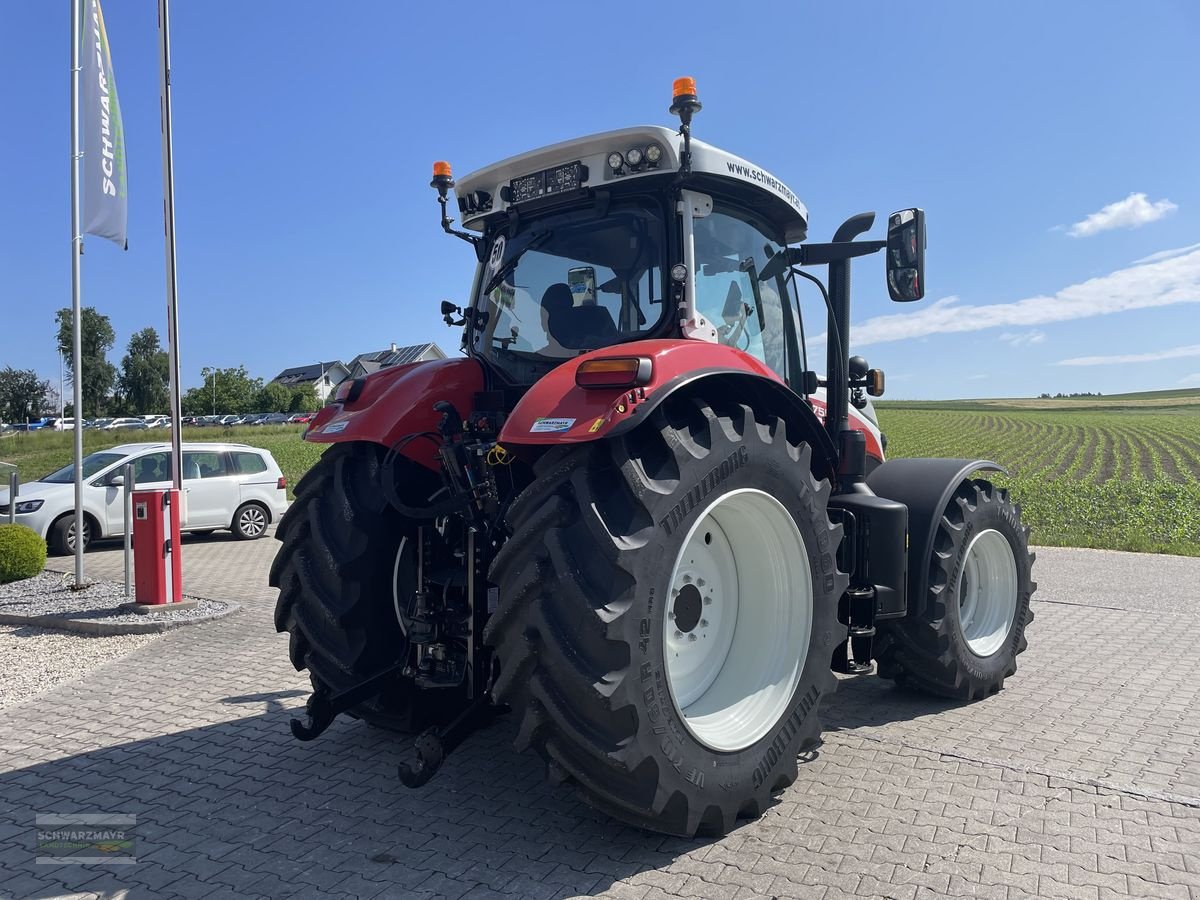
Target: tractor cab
{"x": 624, "y": 236}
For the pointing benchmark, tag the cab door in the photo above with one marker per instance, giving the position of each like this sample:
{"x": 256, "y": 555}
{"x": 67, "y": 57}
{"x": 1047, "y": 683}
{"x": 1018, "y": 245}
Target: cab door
{"x": 212, "y": 491}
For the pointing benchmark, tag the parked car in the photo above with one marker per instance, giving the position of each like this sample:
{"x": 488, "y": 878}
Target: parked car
{"x": 301, "y": 418}
{"x": 100, "y": 423}
{"x": 125, "y": 422}
{"x": 228, "y": 486}
{"x": 273, "y": 419}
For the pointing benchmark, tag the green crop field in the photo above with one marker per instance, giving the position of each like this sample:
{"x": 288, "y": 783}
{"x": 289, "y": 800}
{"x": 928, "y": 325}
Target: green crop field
{"x": 1121, "y": 473}
{"x": 1116, "y": 473}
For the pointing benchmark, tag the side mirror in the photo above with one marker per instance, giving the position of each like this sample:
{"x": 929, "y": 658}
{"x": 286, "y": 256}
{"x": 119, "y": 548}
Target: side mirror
{"x": 906, "y": 255}
{"x": 116, "y": 481}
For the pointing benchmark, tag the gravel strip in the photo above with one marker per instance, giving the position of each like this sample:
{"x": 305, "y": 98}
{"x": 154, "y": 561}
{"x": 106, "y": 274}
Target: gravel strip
{"x": 50, "y": 594}
{"x": 38, "y": 659}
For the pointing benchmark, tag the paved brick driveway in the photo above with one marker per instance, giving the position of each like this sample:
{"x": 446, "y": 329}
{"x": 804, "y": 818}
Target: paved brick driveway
{"x": 1081, "y": 779}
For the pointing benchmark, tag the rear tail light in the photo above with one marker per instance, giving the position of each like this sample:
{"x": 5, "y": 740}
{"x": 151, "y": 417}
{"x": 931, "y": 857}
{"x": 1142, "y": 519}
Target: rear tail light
{"x": 281, "y": 483}
{"x": 614, "y": 371}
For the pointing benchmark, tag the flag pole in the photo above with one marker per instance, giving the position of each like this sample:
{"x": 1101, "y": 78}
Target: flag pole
{"x": 164, "y": 84}
{"x": 76, "y": 315}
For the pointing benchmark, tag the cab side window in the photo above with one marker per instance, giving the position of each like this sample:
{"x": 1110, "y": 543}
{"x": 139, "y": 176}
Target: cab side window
{"x": 748, "y": 314}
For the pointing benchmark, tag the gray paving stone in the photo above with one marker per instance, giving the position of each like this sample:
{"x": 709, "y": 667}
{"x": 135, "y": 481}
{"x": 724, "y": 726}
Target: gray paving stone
{"x": 1080, "y": 779}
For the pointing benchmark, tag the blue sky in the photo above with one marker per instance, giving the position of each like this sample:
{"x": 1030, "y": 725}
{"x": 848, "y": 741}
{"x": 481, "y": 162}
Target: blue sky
{"x": 305, "y": 132}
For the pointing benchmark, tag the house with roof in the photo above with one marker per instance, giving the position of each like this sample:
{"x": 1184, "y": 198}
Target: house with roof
{"x": 366, "y": 363}
{"x": 322, "y": 376}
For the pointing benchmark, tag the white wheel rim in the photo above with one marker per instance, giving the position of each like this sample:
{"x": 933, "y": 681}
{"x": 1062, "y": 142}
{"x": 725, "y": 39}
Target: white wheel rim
{"x": 738, "y": 620}
{"x": 254, "y": 522}
{"x": 987, "y": 593}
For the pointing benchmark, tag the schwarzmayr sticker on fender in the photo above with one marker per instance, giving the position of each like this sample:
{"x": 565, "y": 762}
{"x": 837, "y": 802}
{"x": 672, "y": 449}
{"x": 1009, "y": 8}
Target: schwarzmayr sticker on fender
{"x": 334, "y": 427}
{"x": 544, "y": 425}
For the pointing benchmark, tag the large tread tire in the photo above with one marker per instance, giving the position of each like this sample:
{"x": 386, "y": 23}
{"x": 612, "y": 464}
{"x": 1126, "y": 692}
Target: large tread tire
{"x": 335, "y": 569}
{"x": 579, "y": 626}
{"x": 926, "y": 649}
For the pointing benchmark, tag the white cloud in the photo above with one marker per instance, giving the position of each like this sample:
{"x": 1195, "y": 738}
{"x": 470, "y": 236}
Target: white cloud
{"x": 1132, "y": 212}
{"x": 1020, "y": 338}
{"x": 1154, "y": 356}
{"x": 1164, "y": 283}
{"x": 1194, "y": 378}
{"x": 1165, "y": 254}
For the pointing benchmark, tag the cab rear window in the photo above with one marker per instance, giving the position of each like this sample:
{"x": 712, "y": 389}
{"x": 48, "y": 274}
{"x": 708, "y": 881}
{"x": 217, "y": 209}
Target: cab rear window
{"x": 248, "y": 463}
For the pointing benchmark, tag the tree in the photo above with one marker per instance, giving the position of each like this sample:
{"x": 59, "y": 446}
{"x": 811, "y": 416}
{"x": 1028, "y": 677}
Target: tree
{"x": 143, "y": 385}
{"x": 225, "y": 391}
{"x": 97, "y": 338}
{"x": 23, "y": 396}
{"x": 304, "y": 399}
{"x": 274, "y": 397}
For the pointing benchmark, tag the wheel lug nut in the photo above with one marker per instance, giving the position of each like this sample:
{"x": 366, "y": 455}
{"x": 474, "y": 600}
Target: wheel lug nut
{"x": 678, "y": 634}
{"x": 687, "y": 579}
{"x": 699, "y": 582}
{"x": 708, "y": 601}
{"x": 671, "y": 614}
{"x": 691, "y": 637}
{"x": 704, "y": 623}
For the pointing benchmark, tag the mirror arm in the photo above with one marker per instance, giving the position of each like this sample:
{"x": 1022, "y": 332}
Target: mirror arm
{"x": 818, "y": 255}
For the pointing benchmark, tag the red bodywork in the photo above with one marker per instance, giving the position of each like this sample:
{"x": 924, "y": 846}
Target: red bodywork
{"x": 399, "y": 401}
{"x": 558, "y": 411}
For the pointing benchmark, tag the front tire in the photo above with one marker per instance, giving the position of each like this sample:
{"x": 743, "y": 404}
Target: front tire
{"x": 963, "y": 641}
{"x": 605, "y": 590}
{"x": 62, "y": 535}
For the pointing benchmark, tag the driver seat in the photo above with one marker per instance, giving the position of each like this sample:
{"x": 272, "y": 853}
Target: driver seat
{"x": 576, "y": 327}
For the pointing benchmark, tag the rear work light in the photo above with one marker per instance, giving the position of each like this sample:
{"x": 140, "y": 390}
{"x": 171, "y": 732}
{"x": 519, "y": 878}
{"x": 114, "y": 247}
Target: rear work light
{"x": 614, "y": 372}
{"x": 281, "y": 483}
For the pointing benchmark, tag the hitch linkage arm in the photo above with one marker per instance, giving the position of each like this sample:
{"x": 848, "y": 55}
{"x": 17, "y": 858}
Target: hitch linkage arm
{"x": 323, "y": 707}
{"x": 433, "y": 745}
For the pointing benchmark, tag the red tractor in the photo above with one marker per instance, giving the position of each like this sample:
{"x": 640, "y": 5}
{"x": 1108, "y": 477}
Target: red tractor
{"x": 630, "y": 512}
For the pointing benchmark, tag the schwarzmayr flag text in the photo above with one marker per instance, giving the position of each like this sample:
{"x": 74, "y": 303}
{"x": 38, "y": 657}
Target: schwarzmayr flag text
{"x": 105, "y": 203}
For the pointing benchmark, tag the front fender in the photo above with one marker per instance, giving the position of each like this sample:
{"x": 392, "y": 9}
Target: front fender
{"x": 925, "y": 487}
{"x": 557, "y": 411}
{"x": 398, "y": 402}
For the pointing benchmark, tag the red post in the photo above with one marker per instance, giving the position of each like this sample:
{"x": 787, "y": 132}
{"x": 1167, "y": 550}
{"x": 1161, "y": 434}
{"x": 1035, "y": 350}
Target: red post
{"x": 158, "y": 577}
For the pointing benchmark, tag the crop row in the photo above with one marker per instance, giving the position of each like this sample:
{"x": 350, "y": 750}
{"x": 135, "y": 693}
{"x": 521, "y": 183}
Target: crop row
{"x": 1111, "y": 479}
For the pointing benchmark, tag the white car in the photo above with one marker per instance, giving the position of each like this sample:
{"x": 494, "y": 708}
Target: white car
{"x": 228, "y": 486}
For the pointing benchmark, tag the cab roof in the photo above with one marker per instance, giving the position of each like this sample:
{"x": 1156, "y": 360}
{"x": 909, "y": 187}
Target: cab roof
{"x": 483, "y": 193}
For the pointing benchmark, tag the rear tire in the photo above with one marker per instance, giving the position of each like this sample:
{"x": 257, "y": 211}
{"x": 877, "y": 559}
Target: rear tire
{"x": 250, "y": 522}
{"x": 963, "y": 640}
{"x": 337, "y": 569}
{"x": 599, "y": 606}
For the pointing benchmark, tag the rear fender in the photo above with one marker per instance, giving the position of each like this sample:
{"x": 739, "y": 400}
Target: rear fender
{"x": 925, "y": 486}
{"x": 398, "y": 402}
{"x": 557, "y": 411}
